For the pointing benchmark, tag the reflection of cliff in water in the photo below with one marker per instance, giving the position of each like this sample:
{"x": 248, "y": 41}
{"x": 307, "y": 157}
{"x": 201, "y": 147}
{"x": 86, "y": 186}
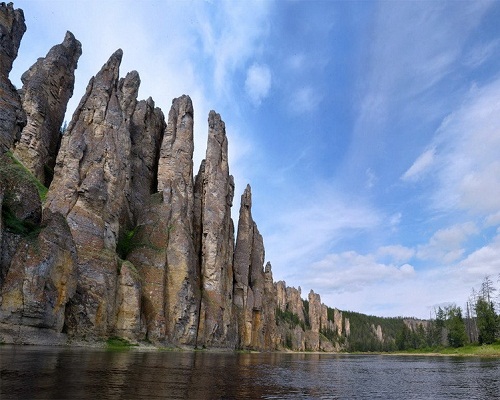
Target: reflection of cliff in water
{"x": 64, "y": 373}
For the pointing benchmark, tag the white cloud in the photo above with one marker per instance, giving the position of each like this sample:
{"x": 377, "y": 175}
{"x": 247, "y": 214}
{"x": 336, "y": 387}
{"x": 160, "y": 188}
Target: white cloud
{"x": 310, "y": 223}
{"x": 258, "y": 83}
{"x": 231, "y": 33}
{"x": 480, "y": 54}
{"x": 397, "y": 252}
{"x": 446, "y": 244}
{"x": 420, "y": 166}
{"x": 468, "y": 169}
{"x": 350, "y": 271}
{"x": 484, "y": 261}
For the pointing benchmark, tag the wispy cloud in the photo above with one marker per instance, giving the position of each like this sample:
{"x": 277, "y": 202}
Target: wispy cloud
{"x": 446, "y": 245}
{"x": 468, "y": 170}
{"x": 231, "y": 33}
{"x": 309, "y": 224}
{"x": 420, "y": 166}
{"x": 258, "y": 83}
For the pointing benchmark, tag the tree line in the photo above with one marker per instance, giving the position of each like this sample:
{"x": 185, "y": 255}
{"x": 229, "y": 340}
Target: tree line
{"x": 452, "y": 326}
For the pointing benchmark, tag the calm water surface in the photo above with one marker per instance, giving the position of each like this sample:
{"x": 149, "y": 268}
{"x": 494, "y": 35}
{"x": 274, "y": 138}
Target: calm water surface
{"x": 62, "y": 373}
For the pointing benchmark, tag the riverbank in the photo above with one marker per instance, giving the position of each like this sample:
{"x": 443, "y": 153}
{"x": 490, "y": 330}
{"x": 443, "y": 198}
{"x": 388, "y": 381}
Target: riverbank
{"x": 472, "y": 350}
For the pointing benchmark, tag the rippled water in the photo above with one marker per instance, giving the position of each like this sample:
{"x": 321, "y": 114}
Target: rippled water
{"x": 62, "y": 373}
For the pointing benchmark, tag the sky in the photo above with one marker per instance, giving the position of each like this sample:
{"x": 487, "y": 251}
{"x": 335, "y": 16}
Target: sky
{"x": 368, "y": 131}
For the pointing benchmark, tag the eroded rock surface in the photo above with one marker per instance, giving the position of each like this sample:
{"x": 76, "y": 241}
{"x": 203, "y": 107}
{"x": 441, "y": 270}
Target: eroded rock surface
{"x": 47, "y": 87}
{"x": 12, "y": 116}
{"x": 217, "y": 326}
{"x": 90, "y": 188}
{"x": 42, "y": 278}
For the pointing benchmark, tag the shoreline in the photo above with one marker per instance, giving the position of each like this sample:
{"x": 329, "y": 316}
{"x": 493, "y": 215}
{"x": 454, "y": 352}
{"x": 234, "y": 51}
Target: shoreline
{"x": 485, "y": 351}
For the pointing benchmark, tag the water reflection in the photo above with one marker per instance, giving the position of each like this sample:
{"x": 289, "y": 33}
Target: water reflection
{"x": 62, "y": 373}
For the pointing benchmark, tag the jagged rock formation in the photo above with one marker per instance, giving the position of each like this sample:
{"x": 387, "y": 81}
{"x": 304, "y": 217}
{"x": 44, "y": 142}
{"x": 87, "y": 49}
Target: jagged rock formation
{"x": 91, "y": 176}
{"x": 215, "y": 191}
{"x": 128, "y": 242}
{"x": 47, "y": 87}
{"x": 253, "y": 288}
{"x": 12, "y": 116}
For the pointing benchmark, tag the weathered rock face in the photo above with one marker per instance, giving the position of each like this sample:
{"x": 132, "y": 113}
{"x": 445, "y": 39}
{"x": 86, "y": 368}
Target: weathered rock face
{"x": 337, "y": 320}
{"x": 90, "y": 187}
{"x": 21, "y": 210}
{"x": 128, "y": 304}
{"x": 146, "y": 132}
{"x": 281, "y": 300}
{"x": 314, "y": 320}
{"x": 250, "y": 281}
{"x": 12, "y": 116}
{"x": 171, "y": 279}
{"x": 47, "y": 88}
{"x": 42, "y": 278}
{"x": 271, "y": 339}
{"x": 217, "y": 325}
{"x": 294, "y": 302}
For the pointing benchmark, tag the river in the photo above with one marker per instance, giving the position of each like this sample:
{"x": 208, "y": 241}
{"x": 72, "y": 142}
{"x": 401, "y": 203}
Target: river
{"x": 80, "y": 373}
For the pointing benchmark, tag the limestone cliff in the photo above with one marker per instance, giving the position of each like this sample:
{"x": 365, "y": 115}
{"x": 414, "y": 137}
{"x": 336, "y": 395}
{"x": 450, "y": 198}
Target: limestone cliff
{"x": 254, "y": 294}
{"x": 12, "y": 115}
{"x": 91, "y": 177}
{"x": 128, "y": 242}
{"x": 217, "y": 322}
{"x": 47, "y": 87}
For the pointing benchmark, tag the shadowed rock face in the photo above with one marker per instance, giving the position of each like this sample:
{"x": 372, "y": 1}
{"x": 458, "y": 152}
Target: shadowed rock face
{"x": 12, "y": 116}
{"x": 47, "y": 88}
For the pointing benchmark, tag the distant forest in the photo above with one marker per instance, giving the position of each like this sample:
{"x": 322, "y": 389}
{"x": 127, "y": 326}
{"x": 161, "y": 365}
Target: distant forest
{"x": 451, "y": 326}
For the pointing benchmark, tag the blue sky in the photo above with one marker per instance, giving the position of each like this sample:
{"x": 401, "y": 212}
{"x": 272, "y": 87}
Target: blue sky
{"x": 369, "y": 131}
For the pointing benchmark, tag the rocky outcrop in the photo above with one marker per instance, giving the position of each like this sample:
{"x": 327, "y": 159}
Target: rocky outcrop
{"x": 169, "y": 266}
{"x": 21, "y": 209}
{"x": 90, "y": 187}
{"x": 130, "y": 243}
{"x": 312, "y": 342}
{"x": 12, "y": 116}
{"x": 295, "y": 304}
{"x": 254, "y": 294}
{"x": 41, "y": 279}
{"x": 217, "y": 324}
{"x": 146, "y": 133}
{"x": 47, "y": 88}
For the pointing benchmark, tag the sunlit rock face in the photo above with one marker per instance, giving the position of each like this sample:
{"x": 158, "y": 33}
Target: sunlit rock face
{"x": 47, "y": 87}
{"x": 128, "y": 242}
{"x": 254, "y": 293}
{"x": 215, "y": 191}
{"x": 12, "y": 116}
{"x": 90, "y": 189}
{"x": 41, "y": 279}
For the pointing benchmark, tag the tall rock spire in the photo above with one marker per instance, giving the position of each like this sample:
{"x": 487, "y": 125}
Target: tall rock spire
{"x": 217, "y": 321}
{"x": 90, "y": 188}
{"x": 47, "y": 88}
{"x": 254, "y": 307}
